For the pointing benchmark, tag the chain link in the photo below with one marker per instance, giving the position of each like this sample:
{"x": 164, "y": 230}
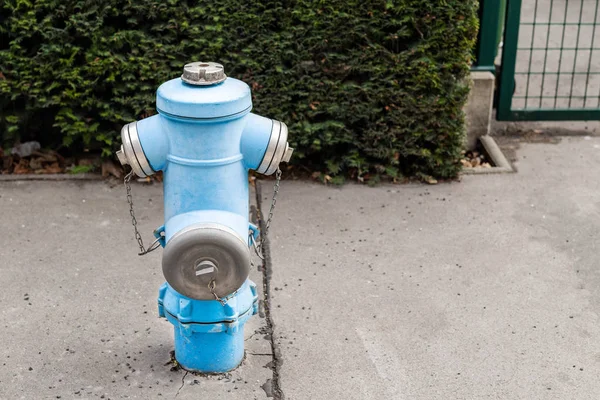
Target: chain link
{"x": 156, "y": 244}
{"x": 274, "y": 200}
{"x": 211, "y": 286}
{"x": 258, "y": 248}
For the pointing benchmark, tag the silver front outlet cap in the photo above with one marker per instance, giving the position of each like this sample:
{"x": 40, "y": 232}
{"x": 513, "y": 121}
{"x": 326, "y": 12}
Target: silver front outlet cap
{"x": 202, "y": 253}
{"x": 131, "y": 152}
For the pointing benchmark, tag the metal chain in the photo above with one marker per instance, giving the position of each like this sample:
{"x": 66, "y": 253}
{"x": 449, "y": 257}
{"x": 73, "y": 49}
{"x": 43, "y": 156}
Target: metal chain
{"x": 258, "y": 247}
{"x": 156, "y": 244}
{"x": 274, "y": 200}
{"x": 211, "y": 286}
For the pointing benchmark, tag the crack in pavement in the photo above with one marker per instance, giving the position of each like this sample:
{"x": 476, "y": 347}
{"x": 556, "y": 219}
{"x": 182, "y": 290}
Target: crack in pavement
{"x": 267, "y": 271}
{"x": 251, "y": 336}
{"x": 182, "y": 383}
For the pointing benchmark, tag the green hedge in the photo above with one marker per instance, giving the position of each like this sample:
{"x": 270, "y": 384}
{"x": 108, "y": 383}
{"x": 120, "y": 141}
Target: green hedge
{"x": 368, "y": 88}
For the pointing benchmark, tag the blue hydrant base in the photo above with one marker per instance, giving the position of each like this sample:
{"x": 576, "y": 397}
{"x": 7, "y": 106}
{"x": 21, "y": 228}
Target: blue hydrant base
{"x": 209, "y": 352}
{"x": 209, "y": 336}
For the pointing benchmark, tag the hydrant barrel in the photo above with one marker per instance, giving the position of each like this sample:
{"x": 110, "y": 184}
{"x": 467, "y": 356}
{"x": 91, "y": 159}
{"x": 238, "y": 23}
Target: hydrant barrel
{"x": 204, "y": 140}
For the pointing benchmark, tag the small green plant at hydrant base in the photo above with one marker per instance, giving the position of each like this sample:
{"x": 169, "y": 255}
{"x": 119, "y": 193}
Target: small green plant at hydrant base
{"x": 82, "y": 169}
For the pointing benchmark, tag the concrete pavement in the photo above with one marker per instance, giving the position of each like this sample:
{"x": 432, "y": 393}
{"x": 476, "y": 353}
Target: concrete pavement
{"x": 484, "y": 288}
{"x": 78, "y": 306}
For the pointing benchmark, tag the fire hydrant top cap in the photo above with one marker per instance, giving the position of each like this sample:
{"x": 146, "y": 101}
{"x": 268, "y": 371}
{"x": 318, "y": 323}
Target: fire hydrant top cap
{"x": 204, "y": 101}
{"x": 203, "y": 73}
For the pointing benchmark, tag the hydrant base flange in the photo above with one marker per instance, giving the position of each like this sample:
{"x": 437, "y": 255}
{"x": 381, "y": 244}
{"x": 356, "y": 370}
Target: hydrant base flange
{"x": 209, "y": 336}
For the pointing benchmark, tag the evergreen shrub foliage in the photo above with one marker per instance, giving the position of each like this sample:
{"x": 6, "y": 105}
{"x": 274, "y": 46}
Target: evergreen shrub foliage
{"x": 367, "y": 88}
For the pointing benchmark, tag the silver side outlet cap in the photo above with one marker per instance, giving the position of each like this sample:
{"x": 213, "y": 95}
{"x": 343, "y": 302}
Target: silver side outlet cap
{"x": 278, "y": 149}
{"x": 287, "y": 154}
{"x": 121, "y": 156}
{"x": 131, "y": 152}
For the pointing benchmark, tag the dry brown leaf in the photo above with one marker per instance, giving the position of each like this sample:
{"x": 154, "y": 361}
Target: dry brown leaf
{"x": 35, "y": 163}
{"x": 86, "y": 161}
{"x": 7, "y": 162}
{"x": 53, "y": 168}
{"x": 22, "y": 167}
{"x": 110, "y": 168}
{"x": 49, "y": 156}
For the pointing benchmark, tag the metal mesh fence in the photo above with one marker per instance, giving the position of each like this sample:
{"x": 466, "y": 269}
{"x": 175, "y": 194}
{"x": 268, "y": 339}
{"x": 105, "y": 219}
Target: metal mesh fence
{"x": 557, "y": 65}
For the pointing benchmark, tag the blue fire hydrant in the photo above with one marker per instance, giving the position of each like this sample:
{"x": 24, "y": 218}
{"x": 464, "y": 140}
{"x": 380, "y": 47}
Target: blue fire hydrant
{"x": 205, "y": 140}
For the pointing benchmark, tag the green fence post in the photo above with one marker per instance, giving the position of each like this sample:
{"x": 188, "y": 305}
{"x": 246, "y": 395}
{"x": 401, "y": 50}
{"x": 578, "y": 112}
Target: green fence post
{"x": 491, "y": 21}
{"x": 509, "y": 60}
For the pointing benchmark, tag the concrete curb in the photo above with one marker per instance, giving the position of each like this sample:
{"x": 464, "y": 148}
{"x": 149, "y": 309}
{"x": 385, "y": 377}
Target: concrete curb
{"x": 51, "y": 177}
{"x": 498, "y": 159}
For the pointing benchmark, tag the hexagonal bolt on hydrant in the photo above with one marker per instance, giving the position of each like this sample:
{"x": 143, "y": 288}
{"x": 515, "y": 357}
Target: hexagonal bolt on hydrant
{"x": 205, "y": 140}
